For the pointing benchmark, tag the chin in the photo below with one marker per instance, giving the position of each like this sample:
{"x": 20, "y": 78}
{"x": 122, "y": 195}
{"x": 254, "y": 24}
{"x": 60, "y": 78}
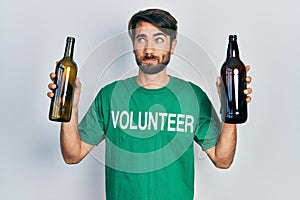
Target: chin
{"x": 150, "y": 69}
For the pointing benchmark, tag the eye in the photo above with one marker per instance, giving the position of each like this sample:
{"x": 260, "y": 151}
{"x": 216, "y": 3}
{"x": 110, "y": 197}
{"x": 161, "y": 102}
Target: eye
{"x": 159, "y": 40}
{"x": 140, "y": 39}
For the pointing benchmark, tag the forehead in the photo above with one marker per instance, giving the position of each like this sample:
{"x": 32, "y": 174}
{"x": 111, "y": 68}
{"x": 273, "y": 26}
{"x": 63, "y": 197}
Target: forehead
{"x": 147, "y": 28}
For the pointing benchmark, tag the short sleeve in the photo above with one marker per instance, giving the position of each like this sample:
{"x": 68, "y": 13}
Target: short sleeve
{"x": 209, "y": 126}
{"x": 91, "y": 127}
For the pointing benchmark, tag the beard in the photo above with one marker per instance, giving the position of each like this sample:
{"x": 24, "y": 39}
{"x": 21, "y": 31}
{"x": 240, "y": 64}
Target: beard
{"x": 151, "y": 68}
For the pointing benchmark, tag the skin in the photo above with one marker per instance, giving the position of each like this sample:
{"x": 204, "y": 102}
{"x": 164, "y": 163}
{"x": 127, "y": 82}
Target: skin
{"x": 152, "y": 48}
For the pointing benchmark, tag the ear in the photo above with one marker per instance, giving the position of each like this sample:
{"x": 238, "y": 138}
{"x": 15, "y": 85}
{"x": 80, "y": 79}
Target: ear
{"x": 173, "y": 45}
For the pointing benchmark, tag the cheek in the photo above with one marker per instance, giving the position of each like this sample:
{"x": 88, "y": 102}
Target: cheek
{"x": 138, "y": 46}
{"x": 164, "y": 47}
{"x": 164, "y": 54}
{"x": 138, "y": 52}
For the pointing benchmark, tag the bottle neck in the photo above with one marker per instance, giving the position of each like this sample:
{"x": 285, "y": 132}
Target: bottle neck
{"x": 233, "y": 49}
{"x": 69, "y": 50}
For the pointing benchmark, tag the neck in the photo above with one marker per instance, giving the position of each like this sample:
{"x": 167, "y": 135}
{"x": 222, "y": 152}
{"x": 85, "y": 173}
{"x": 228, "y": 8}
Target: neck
{"x": 153, "y": 81}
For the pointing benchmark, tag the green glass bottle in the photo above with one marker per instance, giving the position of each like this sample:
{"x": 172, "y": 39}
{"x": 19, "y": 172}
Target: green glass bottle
{"x": 66, "y": 71}
{"x": 233, "y": 74}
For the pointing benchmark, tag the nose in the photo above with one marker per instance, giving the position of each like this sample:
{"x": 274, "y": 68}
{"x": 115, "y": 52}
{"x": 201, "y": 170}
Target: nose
{"x": 149, "y": 48}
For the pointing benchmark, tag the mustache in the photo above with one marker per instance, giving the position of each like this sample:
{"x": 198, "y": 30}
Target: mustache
{"x": 146, "y": 57}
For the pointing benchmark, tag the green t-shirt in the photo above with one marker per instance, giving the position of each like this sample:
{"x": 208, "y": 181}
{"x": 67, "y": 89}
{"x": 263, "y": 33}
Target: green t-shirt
{"x": 149, "y": 135}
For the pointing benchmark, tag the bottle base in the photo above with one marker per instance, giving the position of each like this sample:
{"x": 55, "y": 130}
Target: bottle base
{"x": 234, "y": 121}
{"x": 59, "y": 120}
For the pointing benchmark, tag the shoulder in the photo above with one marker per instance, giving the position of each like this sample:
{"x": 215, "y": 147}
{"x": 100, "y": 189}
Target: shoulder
{"x": 118, "y": 85}
{"x": 108, "y": 87}
{"x": 197, "y": 89}
{"x": 188, "y": 85}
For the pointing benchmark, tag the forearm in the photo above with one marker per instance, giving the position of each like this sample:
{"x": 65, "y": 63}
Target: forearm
{"x": 70, "y": 140}
{"x": 223, "y": 153}
{"x": 226, "y": 145}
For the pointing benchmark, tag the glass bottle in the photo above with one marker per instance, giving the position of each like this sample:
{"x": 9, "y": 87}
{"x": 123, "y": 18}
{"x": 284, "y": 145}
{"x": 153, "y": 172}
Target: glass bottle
{"x": 66, "y": 71}
{"x": 233, "y": 84}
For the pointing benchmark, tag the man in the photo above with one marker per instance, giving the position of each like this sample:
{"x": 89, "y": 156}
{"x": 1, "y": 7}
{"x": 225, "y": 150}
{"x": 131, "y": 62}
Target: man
{"x": 150, "y": 121}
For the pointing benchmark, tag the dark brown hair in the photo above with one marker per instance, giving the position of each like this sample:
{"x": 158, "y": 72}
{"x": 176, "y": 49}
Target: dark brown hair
{"x": 159, "y": 18}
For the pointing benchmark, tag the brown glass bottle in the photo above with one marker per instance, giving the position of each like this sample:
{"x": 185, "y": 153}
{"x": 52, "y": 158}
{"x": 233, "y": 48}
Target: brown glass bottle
{"x": 233, "y": 74}
{"x": 66, "y": 71}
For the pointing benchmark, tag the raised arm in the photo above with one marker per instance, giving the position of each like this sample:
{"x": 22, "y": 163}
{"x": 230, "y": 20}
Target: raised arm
{"x": 222, "y": 154}
{"x": 73, "y": 149}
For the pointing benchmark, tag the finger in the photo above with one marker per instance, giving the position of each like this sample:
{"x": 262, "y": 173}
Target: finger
{"x": 247, "y": 68}
{"x": 248, "y": 99}
{"x": 218, "y": 83}
{"x": 77, "y": 83}
{"x": 50, "y": 94}
{"x": 52, "y": 76}
{"x": 52, "y": 86}
{"x": 248, "y": 91}
{"x": 248, "y": 79}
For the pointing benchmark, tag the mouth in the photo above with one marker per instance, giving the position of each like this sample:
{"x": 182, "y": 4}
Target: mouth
{"x": 149, "y": 61}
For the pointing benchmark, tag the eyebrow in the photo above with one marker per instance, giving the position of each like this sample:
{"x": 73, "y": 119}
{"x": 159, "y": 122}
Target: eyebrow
{"x": 140, "y": 35}
{"x": 156, "y": 34}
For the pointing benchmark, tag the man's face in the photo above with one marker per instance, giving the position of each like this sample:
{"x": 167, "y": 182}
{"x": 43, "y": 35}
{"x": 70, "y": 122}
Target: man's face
{"x": 152, "y": 48}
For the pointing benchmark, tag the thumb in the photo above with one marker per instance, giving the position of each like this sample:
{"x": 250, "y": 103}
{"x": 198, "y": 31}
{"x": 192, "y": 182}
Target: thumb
{"x": 218, "y": 85}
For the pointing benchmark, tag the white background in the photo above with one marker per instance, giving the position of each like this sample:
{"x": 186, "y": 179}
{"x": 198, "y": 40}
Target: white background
{"x": 32, "y": 38}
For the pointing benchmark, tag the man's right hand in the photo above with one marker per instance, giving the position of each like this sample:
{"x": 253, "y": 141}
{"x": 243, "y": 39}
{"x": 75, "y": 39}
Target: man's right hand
{"x": 73, "y": 149}
{"x": 51, "y": 86}
{"x": 77, "y": 90}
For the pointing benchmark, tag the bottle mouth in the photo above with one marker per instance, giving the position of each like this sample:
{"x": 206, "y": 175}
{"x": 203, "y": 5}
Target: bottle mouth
{"x": 70, "y": 39}
{"x": 232, "y": 37}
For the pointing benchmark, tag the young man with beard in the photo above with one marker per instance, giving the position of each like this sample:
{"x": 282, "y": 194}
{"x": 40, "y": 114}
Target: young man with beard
{"x": 150, "y": 121}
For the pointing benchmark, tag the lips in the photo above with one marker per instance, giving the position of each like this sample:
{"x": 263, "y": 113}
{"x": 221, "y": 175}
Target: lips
{"x": 149, "y": 61}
